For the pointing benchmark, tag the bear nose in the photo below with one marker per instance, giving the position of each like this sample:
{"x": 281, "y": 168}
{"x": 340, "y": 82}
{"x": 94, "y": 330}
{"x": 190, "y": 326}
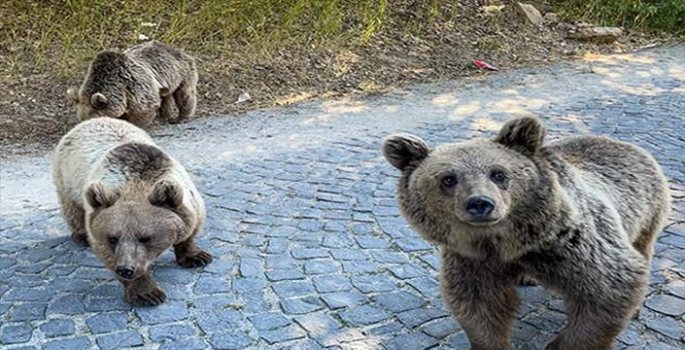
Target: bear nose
{"x": 125, "y": 271}
{"x": 479, "y": 206}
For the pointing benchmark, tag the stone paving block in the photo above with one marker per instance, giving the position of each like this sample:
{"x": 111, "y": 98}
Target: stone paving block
{"x": 287, "y": 275}
{"x": 411, "y": 341}
{"x": 58, "y": 328}
{"x": 340, "y": 336}
{"x": 70, "y": 304}
{"x": 269, "y": 321}
{"x": 676, "y": 288}
{"x": 361, "y": 267}
{"x": 389, "y": 257}
{"x": 172, "y": 310}
{"x": 398, "y": 302}
{"x": 304, "y": 344}
{"x": 348, "y": 254}
{"x": 427, "y": 286}
{"x": 413, "y": 244}
{"x": 171, "y": 333}
{"x": 79, "y": 343}
{"x": 190, "y": 344}
{"x": 16, "y": 334}
{"x": 344, "y": 299}
{"x": 373, "y": 283}
{"x": 666, "y": 304}
{"x": 106, "y": 323}
{"x": 302, "y": 254}
{"x": 207, "y": 284}
{"x": 318, "y": 324}
{"x": 230, "y": 341}
{"x": 217, "y": 321}
{"x": 331, "y": 283}
{"x": 246, "y": 285}
{"x": 317, "y": 267}
{"x": 293, "y": 289}
{"x": 364, "y": 315}
{"x": 417, "y": 317}
{"x": 280, "y": 335}
{"x": 406, "y": 271}
{"x": 441, "y": 328}
{"x": 28, "y": 312}
{"x": 301, "y": 306}
{"x": 666, "y": 326}
{"x": 251, "y": 267}
{"x": 120, "y": 340}
{"x": 28, "y": 294}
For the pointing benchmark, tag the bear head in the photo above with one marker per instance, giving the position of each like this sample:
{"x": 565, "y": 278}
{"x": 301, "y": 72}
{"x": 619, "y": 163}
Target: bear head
{"x": 468, "y": 190}
{"x": 130, "y": 233}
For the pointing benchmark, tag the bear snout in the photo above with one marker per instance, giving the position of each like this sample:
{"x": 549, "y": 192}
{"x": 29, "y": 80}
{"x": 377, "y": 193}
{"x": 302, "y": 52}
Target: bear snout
{"x": 125, "y": 271}
{"x": 479, "y": 207}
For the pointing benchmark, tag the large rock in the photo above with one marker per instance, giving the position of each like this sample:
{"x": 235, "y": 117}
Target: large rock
{"x": 529, "y": 13}
{"x": 596, "y": 34}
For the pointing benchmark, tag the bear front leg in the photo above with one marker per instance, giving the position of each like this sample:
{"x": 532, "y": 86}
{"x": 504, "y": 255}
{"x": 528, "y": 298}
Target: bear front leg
{"x": 482, "y": 297}
{"x": 601, "y": 306}
{"x": 75, "y": 217}
{"x": 188, "y": 254}
{"x": 186, "y": 100}
{"x": 143, "y": 291}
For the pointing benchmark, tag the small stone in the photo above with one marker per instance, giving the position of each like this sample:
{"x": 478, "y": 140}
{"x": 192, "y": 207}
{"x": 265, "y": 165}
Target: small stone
{"x": 398, "y": 302}
{"x": 666, "y": 326}
{"x": 292, "y": 289}
{"x": 191, "y": 344}
{"x": 604, "y": 35}
{"x": 81, "y": 343}
{"x": 411, "y": 341}
{"x": 268, "y": 321}
{"x": 171, "y": 333}
{"x": 174, "y": 310}
{"x": 332, "y": 283}
{"x": 364, "y": 315}
{"x": 441, "y": 328}
{"x": 283, "y": 334}
{"x": 316, "y": 267}
{"x": 318, "y": 324}
{"x": 230, "y": 341}
{"x": 344, "y": 299}
{"x": 373, "y": 283}
{"x": 301, "y": 306}
{"x": 215, "y": 321}
{"x": 28, "y": 312}
{"x": 417, "y": 317}
{"x": 529, "y": 13}
{"x": 667, "y": 305}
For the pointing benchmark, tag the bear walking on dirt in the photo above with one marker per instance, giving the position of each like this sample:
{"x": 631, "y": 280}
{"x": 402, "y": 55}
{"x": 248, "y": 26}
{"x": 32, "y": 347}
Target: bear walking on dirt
{"x": 579, "y": 215}
{"x": 129, "y": 200}
{"x": 137, "y": 84}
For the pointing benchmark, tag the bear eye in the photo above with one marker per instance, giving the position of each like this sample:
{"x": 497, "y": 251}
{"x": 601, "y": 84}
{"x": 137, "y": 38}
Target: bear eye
{"x": 449, "y": 181}
{"x": 498, "y": 176}
{"x": 112, "y": 240}
{"x": 144, "y": 240}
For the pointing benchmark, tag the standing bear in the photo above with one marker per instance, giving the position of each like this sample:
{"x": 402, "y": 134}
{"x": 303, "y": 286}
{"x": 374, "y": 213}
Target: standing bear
{"x": 579, "y": 216}
{"x": 129, "y": 200}
{"x": 138, "y": 83}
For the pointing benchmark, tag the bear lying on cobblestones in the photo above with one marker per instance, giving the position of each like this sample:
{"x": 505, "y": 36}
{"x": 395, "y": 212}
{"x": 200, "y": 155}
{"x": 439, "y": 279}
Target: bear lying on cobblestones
{"x": 579, "y": 215}
{"x": 137, "y": 84}
{"x": 129, "y": 200}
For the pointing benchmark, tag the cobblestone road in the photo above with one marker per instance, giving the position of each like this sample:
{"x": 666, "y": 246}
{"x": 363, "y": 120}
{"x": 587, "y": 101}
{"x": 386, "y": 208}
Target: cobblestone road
{"x": 311, "y": 251}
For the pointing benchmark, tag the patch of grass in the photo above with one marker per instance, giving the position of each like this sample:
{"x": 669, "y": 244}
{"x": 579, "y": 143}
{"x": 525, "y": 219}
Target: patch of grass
{"x": 69, "y": 32}
{"x": 666, "y": 16}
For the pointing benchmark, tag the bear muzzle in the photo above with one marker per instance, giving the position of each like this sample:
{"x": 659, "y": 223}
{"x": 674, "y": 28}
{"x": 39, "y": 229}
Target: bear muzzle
{"x": 480, "y": 208}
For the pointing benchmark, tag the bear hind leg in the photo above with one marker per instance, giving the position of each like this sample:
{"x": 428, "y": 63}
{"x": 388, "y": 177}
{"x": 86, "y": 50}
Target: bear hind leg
{"x": 166, "y": 108}
{"x": 186, "y": 100}
{"x": 188, "y": 254}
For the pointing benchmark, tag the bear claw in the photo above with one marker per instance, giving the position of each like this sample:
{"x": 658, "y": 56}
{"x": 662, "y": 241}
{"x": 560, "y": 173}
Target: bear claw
{"x": 198, "y": 260}
{"x": 150, "y": 298}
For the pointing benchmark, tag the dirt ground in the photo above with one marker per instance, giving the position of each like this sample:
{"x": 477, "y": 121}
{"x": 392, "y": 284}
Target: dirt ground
{"x": 34, "y": 108}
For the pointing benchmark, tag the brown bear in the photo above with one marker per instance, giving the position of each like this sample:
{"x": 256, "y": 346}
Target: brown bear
{"x": 138, "y": 83}
{"x": 129, "y": 200}
{"x": 579, "y": 216}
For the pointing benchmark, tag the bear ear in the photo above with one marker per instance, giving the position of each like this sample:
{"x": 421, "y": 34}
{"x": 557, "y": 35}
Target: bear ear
{"x": 404, "y": 150}
{"x": 524, "y": 135}
{"x": 166, "y": 194}
{"x": 98, "y": 101}
{"x": 72, "y": 94}
{"x": 99, "y": 196}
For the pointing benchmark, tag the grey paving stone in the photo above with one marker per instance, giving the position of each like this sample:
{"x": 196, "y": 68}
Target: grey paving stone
{"x": 301, "y": 306}
{"x": 309, "y": 253}
{"x": 293, "y": 289}
{"x": 16, "y": 334}
{"x": 106, "y": 323}
{"x": 190, "y": 344}
{"x": 269, "y": 321}
{"x": 170, "y": 311}
{"x": 28, "y": 294}
{"x": 28, "y": 312}
{"x": 280, "y": 335}
{"x": 348, "y": 254}
{"x": 361, "y": 267}
{"x": 316, "y": 267}
{"x": 417, "y": 317}
{"x": 441, "y": 328}
{"x": 666, "y": 304}
{"x": 676, "y": 288}
{"x": 344, "y": 299}
{"x": 318, "y": 324}
{"x": 364, "y": 315}
{"x": 331, "y": 283}
{"x": 217, "y": 321}
{"x": 207, "y": 284}
{"x": 171, "y": 333}
{"x": 248, "y": 285}
{"x": 411, "y": 341}
{"x": 230, "y": 341}
{"x": 71, "y": 304}
{"x": 58, "y": 328}
{"x": 341, "y": 336}
{"x": 666, "y": 326}
{"x": 79, "y": 343}
{"x": 398, "y": 302}
{"x": 373, "y": 283}
{"x": 120, "y": 340}
{"x": 286, "y": 275}
{"x": 406, "y": 271}
{"x": 251, "y": 267}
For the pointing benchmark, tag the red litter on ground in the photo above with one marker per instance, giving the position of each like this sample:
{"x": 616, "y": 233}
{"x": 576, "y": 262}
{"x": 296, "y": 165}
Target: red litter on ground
{"x": 483, "y": 65}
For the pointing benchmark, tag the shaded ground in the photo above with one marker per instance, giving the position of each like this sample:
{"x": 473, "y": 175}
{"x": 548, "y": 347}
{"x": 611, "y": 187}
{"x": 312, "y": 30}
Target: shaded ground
{"x": 311, "y": 251}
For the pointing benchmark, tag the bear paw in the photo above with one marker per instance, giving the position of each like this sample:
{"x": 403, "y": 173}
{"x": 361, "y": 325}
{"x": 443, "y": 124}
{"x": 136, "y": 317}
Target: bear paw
{"x": 80, "y": 239}
{"x": 145, "y": 295}
{"x": 199, "y": 259}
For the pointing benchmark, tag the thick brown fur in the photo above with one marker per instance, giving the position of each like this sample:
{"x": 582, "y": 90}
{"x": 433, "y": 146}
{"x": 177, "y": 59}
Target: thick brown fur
{"x": 138, "y": 84}
{"x": 129, "y": 200}
{"x": 579, "y": 216}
